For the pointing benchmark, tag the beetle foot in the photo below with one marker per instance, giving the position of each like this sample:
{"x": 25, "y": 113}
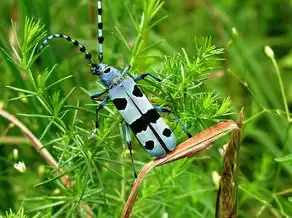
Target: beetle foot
{"x": 92, "y": 134}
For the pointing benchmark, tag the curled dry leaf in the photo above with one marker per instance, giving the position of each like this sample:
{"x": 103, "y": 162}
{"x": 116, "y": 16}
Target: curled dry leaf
{"x": 36, "y": 143}
{"x": 188, "y": 148}
{"x": 226, "y": 205}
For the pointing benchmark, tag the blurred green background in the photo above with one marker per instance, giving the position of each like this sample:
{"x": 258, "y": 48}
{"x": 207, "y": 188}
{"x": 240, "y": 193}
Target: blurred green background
{"x": 181, "y": 189}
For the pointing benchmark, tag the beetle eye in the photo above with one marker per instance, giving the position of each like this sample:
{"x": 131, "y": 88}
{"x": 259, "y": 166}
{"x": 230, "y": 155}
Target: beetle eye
{"x": 107, "y": 70}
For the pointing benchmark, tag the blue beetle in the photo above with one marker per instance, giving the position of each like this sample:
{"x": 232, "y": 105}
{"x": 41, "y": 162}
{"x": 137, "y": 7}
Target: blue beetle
{"x": 139, "y": 114}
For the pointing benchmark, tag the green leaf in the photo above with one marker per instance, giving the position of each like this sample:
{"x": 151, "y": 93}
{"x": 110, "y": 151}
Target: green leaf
{"x": 34, "y": 115}
{"x": 21, "y": 90}
{"x": 285, "y": 159}
{"x": 58, "y": 81}
{"x": 47, "y": 206}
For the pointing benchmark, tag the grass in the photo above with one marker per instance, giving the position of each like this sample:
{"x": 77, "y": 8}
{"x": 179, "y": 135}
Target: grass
{"x": 204, "y": 83}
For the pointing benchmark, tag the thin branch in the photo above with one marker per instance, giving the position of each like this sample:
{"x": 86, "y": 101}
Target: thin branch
{"x": 36, "y": 143}
{"x": 13, "y": 140}
{"x": 43, "y": 151}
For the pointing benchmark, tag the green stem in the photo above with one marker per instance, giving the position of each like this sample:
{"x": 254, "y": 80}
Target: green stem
{"x": 282, "y": 88}
{"x": 278, "y": 170}
{"x": 255, "y": 116}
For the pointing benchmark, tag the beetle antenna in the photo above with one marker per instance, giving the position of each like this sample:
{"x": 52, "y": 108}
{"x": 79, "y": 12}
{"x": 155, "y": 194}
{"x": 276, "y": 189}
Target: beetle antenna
{"x": 99, "y": 31}
{"x": 74, "y": 42}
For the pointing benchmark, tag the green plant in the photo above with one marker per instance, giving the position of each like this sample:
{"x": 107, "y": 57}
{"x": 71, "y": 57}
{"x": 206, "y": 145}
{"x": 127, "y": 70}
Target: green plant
{"x": 85, "y": 160}
{"x": 50, "y": 94}
{"x": 19, "y": 214}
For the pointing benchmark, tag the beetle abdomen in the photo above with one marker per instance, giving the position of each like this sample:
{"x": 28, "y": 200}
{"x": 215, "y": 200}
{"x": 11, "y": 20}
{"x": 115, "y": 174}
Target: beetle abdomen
{"x": 148, "y": 127}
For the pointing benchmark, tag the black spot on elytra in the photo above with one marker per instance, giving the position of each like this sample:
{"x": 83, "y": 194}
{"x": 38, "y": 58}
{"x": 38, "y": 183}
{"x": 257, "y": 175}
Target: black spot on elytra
{"x": 149, "y": 145}
{"x": 151, "y": 116}
{"x": 120, "y": 103}
{"x": 166, "y": 132}
{"x": 137, "y": 92}
{"x": 138, "y": 125}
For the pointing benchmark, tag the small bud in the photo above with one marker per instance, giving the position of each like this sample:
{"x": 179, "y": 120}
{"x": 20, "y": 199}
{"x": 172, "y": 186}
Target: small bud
{"x": 56, "y": 191}
{"x": 41, "y": 169}
{"x": 20, "y": 166}
{"x": 234, "y": 32}
{"x": 15, "y": 154}
{"x": 269, "y": 52}
{"x": 216, "y": 178}
{"x": 165, "y": 215}
{"x": 23, "y": 98}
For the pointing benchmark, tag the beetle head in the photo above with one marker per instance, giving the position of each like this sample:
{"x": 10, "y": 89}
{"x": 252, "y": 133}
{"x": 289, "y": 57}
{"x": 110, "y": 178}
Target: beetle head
{"x": 107, "y": 74}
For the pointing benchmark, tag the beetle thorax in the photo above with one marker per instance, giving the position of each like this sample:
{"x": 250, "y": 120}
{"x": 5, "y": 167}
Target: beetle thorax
{"x": 110, "y": 76}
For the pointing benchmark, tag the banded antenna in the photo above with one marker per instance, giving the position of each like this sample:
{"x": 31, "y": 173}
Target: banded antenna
{"x": 82, "y": 48}
{"x": 99, "y": 31}
{"x": 73, "y": 41}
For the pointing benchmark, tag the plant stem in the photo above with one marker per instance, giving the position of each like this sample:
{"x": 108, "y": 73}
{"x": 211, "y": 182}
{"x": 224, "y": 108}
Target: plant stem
{"x": 281, "y": 87}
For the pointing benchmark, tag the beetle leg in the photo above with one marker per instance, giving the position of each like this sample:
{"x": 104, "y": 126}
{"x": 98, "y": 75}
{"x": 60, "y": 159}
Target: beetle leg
{"x": 166, "y": 110}
{"x": 129, "y": 143}
{"x": 97, "y": 95}
{"x": 100, "y": 106}
{"x": 142, "y": 76}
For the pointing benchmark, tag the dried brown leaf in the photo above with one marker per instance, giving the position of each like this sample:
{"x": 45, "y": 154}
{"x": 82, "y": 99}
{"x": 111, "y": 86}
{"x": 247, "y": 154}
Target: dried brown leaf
{"x": 227, "y": 193}
{"x": 188, "y": 148}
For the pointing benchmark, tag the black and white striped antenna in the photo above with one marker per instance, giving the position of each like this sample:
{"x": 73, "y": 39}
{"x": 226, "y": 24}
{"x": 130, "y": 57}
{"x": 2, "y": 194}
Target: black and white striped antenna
{"x": 99, "y": 31}
{"x": 81, "y": 47}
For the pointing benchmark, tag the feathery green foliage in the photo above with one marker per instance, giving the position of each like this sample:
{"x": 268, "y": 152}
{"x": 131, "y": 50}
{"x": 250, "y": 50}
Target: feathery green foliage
{"x": 19, "y": 214}
{"x": 50, "y": 94}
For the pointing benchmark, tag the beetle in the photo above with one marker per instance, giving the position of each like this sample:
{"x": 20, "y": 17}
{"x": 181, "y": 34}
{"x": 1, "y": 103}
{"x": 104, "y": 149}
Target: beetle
{"x": 139, "y": 114}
